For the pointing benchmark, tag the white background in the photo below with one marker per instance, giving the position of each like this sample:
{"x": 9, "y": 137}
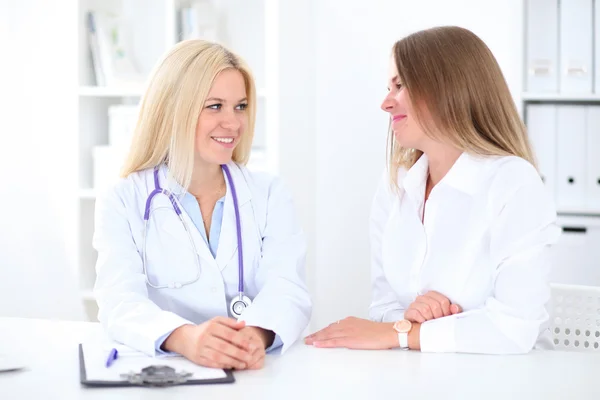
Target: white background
{"x": 334, "y": 58}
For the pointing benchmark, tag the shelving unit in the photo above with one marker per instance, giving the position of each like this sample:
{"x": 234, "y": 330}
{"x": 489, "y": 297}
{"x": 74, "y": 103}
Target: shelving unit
{"x": 560, "y": 69}
{"x": 575, "y": 259}
{"x": 560, "y": 97}
{"x": 100, "y": 91}
{"x": 87, "y": 194}
{"x": 250, "y": 28}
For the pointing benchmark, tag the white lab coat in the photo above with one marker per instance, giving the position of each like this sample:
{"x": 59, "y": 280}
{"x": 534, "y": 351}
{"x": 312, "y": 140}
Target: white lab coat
{"x": 484, "y": 244}
{"x": 273, "y": 249}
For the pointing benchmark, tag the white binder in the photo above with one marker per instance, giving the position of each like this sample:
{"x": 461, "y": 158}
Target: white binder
{"x": 542, "y": 45}
{"x": 576, "y": 46}
{"x": 571, "y": 164}
{"x": 597, "y": 47}
{"x": 592, "y": 194}
{"x": 541, "y": 128}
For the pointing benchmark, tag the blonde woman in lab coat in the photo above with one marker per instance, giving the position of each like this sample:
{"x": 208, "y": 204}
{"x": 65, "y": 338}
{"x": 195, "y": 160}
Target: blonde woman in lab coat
{"x": 461, "y": 225}
{"x": 197, "y": 255}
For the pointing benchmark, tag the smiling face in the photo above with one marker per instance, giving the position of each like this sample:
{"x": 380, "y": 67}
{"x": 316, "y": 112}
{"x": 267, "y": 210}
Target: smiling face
{"x": 223, "y": 119}
{"x": 397, "y": 103}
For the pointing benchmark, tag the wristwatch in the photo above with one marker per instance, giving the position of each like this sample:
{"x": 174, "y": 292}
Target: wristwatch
{"x": 403, "y": 327}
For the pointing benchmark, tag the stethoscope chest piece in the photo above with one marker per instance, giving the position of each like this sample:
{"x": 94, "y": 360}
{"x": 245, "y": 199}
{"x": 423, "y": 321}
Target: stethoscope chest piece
{"x": 238, "y": 304}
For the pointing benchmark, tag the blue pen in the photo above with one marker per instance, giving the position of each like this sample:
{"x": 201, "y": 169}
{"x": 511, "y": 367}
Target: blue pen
{"x": 112, "y": 356}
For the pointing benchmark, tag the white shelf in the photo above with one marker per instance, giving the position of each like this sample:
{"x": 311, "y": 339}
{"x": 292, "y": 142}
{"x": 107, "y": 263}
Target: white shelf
{"x": 579, "y": 211}
{"x": 87, "y": 194}
{"x": 560, "y": 97}
{"x": 104, "y": 91}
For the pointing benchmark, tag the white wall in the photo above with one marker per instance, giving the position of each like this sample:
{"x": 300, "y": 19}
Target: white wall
{"x": 37, "y": 123}
{"x": 354, "y": 39}
{"x": 297, "y": 146}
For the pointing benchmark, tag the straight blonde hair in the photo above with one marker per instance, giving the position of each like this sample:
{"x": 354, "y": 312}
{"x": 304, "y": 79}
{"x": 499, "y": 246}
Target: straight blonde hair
{"x": 166, "y": 127}
{"x": 459, "y": 96}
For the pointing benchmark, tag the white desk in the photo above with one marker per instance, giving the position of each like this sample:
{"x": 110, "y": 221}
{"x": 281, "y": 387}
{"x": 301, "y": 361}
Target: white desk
{"x": 49, "y": 348}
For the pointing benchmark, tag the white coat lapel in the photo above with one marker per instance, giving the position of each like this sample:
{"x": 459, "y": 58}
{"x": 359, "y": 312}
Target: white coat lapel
{"x": 170, "y": 223}
{"x": 228, "y": 242}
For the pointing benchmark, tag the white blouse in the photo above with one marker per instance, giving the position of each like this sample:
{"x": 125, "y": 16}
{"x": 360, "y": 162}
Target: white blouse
{"x": 483, "y": 243}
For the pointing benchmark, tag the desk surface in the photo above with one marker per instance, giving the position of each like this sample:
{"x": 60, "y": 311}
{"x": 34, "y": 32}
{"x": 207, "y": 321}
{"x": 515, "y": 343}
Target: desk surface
{"x": 49, "y": 349}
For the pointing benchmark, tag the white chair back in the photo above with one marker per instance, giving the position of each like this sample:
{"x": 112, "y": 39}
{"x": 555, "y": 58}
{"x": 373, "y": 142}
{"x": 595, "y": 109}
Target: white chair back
{"x": 575, "y": 317}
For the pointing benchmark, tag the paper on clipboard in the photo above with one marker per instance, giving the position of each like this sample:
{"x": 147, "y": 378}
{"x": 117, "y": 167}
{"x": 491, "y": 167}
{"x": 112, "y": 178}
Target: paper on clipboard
{"x": 130, "y": 360}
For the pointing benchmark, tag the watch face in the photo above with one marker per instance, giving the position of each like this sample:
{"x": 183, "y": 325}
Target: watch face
{"x": 403, "y": 326}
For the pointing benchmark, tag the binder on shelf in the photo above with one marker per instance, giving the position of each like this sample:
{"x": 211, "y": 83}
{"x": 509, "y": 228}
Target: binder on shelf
{"x": 592, "y": 194}
{"x": 542, "y": 45}
{"x": 576, "y": 46}
{"x": 571, "y": 164}
{"x": 541, "y": 128}
{"x": 199, "y": 20}
{"x": 110, "y": 40}
{"x": 122, "y": 119}
{"x": 95, "y": 50}
{"x": 597, "y": 47}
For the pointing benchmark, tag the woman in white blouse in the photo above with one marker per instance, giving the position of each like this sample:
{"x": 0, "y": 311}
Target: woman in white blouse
{"x": 461, "y": 224}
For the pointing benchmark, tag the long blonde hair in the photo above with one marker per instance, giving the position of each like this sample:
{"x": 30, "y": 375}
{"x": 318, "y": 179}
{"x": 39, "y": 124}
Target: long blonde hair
{"x": 453, "y": 78}
{"x": 169, "y": 111}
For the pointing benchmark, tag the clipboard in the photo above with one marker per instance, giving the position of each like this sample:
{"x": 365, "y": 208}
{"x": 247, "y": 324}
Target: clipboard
{"x": 160, "y": 372}
{"x": 10, "y": 363}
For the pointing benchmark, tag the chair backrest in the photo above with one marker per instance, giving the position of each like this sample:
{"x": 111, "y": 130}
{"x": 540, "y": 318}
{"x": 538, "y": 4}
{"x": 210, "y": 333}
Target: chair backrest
{"x": 575, "y": 317}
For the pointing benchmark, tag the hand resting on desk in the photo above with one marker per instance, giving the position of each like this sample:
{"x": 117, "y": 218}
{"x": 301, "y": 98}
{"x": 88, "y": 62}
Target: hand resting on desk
{"x": 357, "y": 333}
{"x": 219, "y": 343}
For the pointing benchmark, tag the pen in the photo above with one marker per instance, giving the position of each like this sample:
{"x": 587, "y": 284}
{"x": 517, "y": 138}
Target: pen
{"x": 112, "y": 356}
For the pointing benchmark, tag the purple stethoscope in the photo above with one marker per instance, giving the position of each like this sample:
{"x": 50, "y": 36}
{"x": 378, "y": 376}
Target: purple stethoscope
{"x": 240, "y": 302}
